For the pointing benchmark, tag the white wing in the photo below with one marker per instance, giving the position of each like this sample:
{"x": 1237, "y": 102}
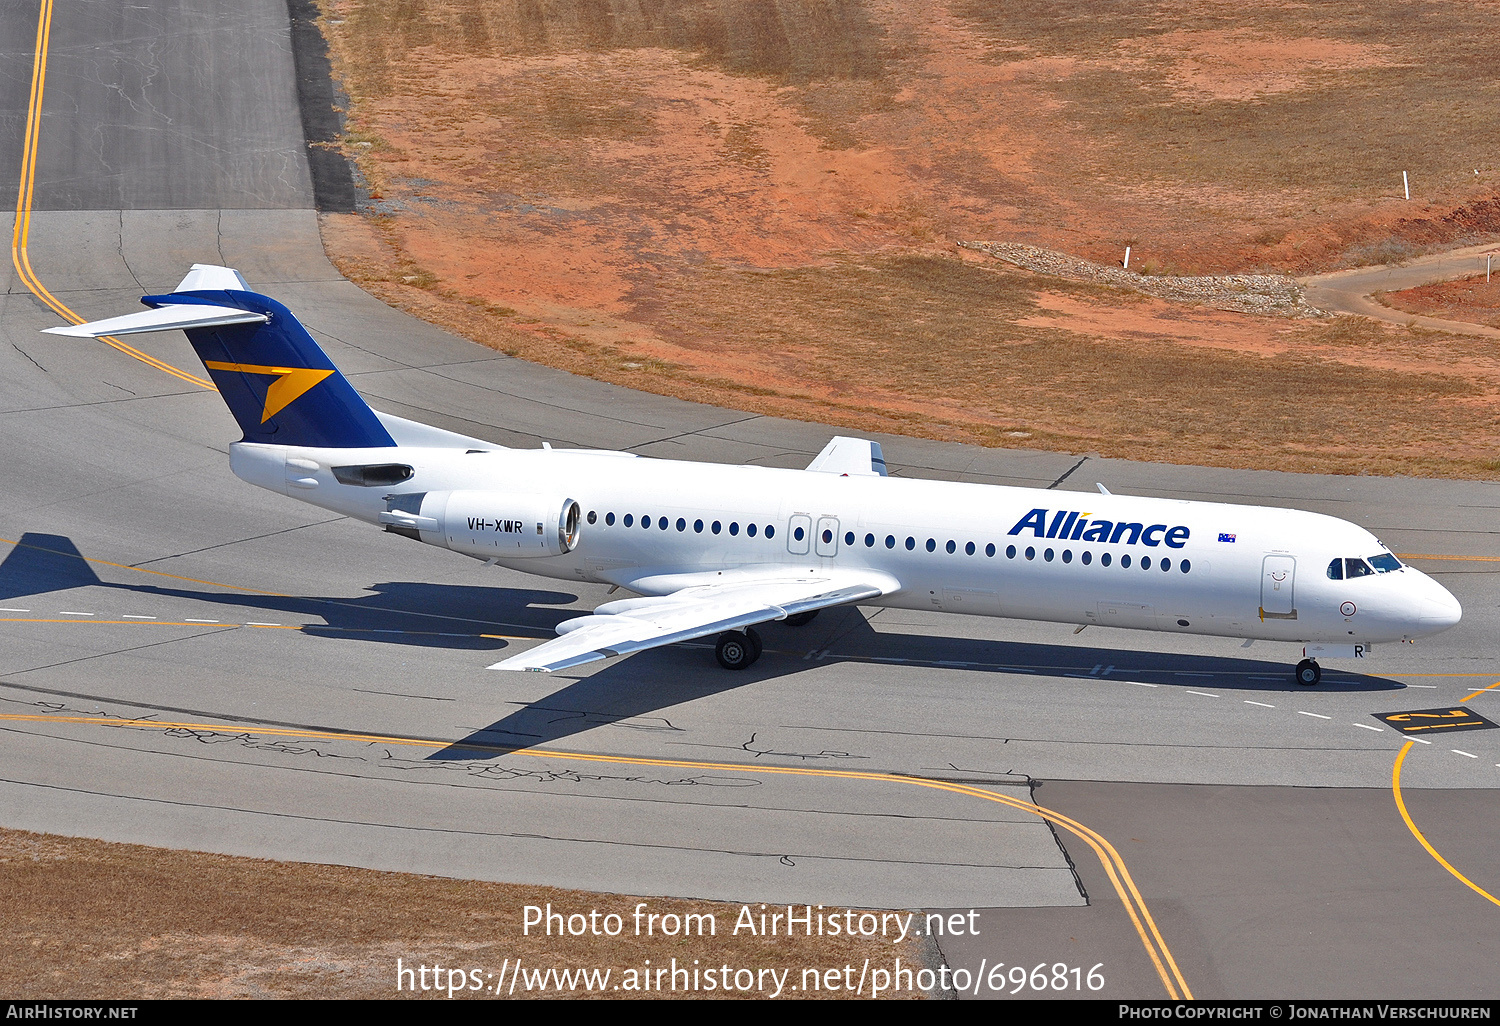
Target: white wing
{"x": 851, "y": 457}
{"x": 744, "y": 598}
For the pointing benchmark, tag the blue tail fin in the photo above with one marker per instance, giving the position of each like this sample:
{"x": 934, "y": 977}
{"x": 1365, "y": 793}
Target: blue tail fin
{"x": 280, "y": 386}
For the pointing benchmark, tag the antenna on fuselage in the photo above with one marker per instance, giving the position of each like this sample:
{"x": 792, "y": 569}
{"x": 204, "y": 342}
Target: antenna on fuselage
{"x": 1102, "y": 490}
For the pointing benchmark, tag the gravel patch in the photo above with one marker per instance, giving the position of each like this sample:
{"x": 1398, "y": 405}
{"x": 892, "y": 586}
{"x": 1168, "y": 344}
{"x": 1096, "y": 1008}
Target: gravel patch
{"x": 1271, "y": 294}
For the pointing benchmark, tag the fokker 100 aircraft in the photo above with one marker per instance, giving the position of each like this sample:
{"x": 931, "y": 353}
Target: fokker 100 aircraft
{"x": 714, "y": 550}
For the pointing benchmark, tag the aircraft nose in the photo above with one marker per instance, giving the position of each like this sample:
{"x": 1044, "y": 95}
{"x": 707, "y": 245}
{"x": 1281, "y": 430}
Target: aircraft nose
{"x": 1437, "y": 609}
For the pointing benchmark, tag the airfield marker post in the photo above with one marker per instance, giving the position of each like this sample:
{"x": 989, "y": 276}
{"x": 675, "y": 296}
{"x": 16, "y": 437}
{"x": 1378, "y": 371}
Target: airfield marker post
{"x": 1127, "y": 258}
{"x": 1406, "y": 184}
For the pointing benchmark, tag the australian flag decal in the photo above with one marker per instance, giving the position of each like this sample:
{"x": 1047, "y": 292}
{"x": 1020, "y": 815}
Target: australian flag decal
{"x": 1226, "y": 537}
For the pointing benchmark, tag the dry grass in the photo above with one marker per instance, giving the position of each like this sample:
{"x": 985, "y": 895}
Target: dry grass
{"x": 753, "y": 204}
{"x": 90, "y": 919}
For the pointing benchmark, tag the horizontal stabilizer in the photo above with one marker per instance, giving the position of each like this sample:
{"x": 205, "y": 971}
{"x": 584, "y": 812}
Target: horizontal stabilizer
{"x": 165, "y": 318}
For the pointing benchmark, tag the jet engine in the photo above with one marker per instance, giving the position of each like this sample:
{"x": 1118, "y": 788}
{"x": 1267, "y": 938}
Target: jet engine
{"x": 486, "y": 524}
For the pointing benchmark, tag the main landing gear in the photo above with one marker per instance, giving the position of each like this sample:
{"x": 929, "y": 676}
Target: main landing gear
{"x": 1309, "y": 673}
{"x": 736, "y": 650}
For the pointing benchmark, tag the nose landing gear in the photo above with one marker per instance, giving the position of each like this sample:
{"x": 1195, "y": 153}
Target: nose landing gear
{"x": 1309, "y": 673}
{"x": 737, "y": 651}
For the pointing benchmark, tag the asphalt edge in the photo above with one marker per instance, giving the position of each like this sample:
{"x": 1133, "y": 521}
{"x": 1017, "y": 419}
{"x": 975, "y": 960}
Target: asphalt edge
{"x": 322, "y": 114}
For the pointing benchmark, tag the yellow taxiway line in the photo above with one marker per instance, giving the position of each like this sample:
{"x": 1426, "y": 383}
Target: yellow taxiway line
{"x": 1422, "y": 840}
{"x": 21, "y": 232}
{"x": 1109, "y": 858}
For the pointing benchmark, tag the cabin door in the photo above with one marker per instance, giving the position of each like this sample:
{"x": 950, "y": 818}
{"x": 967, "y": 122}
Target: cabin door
{"x": 1278, "y": 580}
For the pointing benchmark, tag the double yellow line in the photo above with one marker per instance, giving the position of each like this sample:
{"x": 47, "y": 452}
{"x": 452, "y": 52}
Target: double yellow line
{"x": 1109, "y": 858}
{"x": 21, "y": 232}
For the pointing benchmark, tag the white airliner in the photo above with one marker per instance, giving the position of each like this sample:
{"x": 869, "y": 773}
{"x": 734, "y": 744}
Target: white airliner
{"x": 714, "y": 550}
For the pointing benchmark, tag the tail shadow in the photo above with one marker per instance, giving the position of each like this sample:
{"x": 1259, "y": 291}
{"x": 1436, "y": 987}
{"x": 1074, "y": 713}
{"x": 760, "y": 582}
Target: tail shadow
{"x": 40, "y": 563}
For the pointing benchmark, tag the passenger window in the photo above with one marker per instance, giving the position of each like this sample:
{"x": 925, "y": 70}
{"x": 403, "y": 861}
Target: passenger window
{"x": 770, "y": 531}
{"x": 1067, "y": 555}
{"x": 1166, "y": 564}
{"x": 593, "y": 517}
{"x": 662, "y": 523}
{"x": 750, "y": 529}
{"x": 1125, "y": 560}
{"x": 1185, "y": 565}
{"x": 1336, "y": 570}
{"x": 890, "y": 541}
{"x": 869, "y": 541}
{"x": 969, "y": 549}
{"x": 989, "y": 550}
{"x": 1357, "y": 568}
{"x": 1047, "y": 555}
{"x": 827, "y": 536}
{"x": 1145, "y": 562}
{"x": 1030, "y": 552}
{"x": 1010, "y": 552}
{"x": 734, "y": 528}
{"x": 849, "y": 538}
{"x": 697, "y": 527}
{"x": 629, "y": 520}
{"x": 716, "y": 527}
{"x": 952, "y": 548}
{"x": 681, "y": 524}
{"x": 1106, "y": 559}
{"x": 931, "y": 544}
{"x": 911, "y": 543}
{"x": 798, "y": 534}
{"x": 1087, "y": 557}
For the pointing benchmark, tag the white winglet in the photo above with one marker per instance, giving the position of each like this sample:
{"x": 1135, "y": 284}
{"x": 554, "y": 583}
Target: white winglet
{"x": 850, "y": 457}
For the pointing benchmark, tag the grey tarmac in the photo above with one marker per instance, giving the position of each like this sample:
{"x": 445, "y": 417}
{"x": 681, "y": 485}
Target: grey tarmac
{"x": 141, "y": 581}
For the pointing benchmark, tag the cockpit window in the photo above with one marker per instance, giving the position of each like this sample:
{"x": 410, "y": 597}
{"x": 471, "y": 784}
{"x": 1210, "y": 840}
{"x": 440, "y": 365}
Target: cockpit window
{"x": 1357, "y": 568}
{"x": 1336, "y": 570}
{"x": 1385, "y": 563}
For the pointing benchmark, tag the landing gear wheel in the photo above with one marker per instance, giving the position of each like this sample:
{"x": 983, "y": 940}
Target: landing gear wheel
{"x": 1309, "y": 673}
{"x": 736, "y": 651}
{"x": 800, "y": 619}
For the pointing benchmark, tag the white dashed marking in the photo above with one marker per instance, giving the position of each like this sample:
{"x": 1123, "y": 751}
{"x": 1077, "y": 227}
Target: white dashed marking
{"x": 1455, "y": 751}
{"x": 1263, "y": 705}
{"x": 1318, "y": 715}
{"x": 1368, "y": 727}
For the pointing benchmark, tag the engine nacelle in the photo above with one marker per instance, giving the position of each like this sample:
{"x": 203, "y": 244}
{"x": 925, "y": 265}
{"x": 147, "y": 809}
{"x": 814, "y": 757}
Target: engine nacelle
{"x": 487, "y": 524}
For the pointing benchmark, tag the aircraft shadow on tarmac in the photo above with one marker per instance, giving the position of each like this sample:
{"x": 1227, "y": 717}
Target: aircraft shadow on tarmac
{"x": 400, "y": 613}
{"x": 634, "y": 691}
